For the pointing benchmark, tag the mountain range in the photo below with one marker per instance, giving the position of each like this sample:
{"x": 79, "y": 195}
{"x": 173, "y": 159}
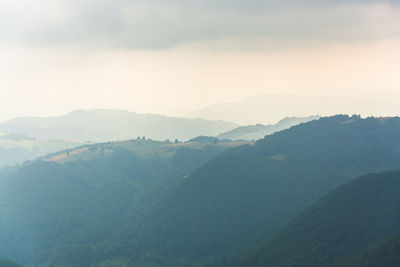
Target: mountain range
{"x": 27, "y": 138}
{"x": 103, "y": 125}
{"x": 257, "y": 188}
{"x": 207, "y": 202}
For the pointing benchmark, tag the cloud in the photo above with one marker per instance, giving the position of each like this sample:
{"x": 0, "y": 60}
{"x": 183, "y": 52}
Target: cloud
{"x": 157, "y": 24}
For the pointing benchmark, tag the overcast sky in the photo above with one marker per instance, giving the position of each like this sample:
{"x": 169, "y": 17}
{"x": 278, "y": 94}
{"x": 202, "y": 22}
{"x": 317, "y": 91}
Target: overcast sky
{"x": 173, "y": 57}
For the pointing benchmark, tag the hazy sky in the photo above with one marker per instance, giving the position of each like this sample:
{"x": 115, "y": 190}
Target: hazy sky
{"x": 173, "y": 57}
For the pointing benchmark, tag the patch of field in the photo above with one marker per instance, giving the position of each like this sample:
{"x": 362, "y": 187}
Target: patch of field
{"x": 62, "y": 157}
{"x": 278, "y": 157}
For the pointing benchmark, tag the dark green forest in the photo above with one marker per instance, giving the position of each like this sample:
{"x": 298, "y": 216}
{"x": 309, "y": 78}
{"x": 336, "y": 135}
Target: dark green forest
{"x": 7, "y": 263}
{"x": 55, "y": 204}
{"x": 209, "y": 202}
{"x": 384, "y": 253}
{"x": 337, "y": 229}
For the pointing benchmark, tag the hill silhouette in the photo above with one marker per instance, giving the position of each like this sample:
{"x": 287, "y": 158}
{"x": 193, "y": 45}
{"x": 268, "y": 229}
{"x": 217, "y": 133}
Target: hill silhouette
{"x": 101, "y": 125}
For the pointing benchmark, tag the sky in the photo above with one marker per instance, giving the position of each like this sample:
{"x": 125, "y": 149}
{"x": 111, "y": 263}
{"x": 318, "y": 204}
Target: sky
{"x": 173, "y": 57}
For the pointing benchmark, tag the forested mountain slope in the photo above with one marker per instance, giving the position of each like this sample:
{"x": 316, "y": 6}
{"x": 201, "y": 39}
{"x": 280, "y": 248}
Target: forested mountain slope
{"x": 79, "y": 196}
{"x": 261, "y": 187}
{"x": 384, "y": 254}
{"x": 148, "y": 203}
{"x": 337, "y": 228}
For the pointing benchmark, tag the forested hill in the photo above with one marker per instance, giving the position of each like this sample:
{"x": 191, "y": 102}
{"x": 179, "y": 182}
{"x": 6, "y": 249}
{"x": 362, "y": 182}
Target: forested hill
{"x": 149, "y": 203}
{"x": 103, "y": 125}
{"x": 354, "y": 225}
{"x": 262, "y": 187}
{"x": 80, "y": 196}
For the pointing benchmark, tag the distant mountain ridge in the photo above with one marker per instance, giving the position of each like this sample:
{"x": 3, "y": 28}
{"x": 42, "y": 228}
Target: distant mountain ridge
{"x": 17, "y": 148}
{"x": 258, "y": 131}
{"x": 268, "y": 109}
{"x": 102, "y": 125}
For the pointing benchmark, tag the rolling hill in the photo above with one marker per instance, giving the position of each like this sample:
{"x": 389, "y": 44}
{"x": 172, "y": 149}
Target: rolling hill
{"x": 150, "y": 203}
{"x": 80, "y": 196}
{"x": 258, "y": 188}
{"x": 112, "y": 125}
{"x": 346, "y": 227}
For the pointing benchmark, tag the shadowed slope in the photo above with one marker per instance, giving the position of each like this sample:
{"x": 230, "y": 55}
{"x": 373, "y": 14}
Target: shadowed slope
{"x": 348, "y": 220}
